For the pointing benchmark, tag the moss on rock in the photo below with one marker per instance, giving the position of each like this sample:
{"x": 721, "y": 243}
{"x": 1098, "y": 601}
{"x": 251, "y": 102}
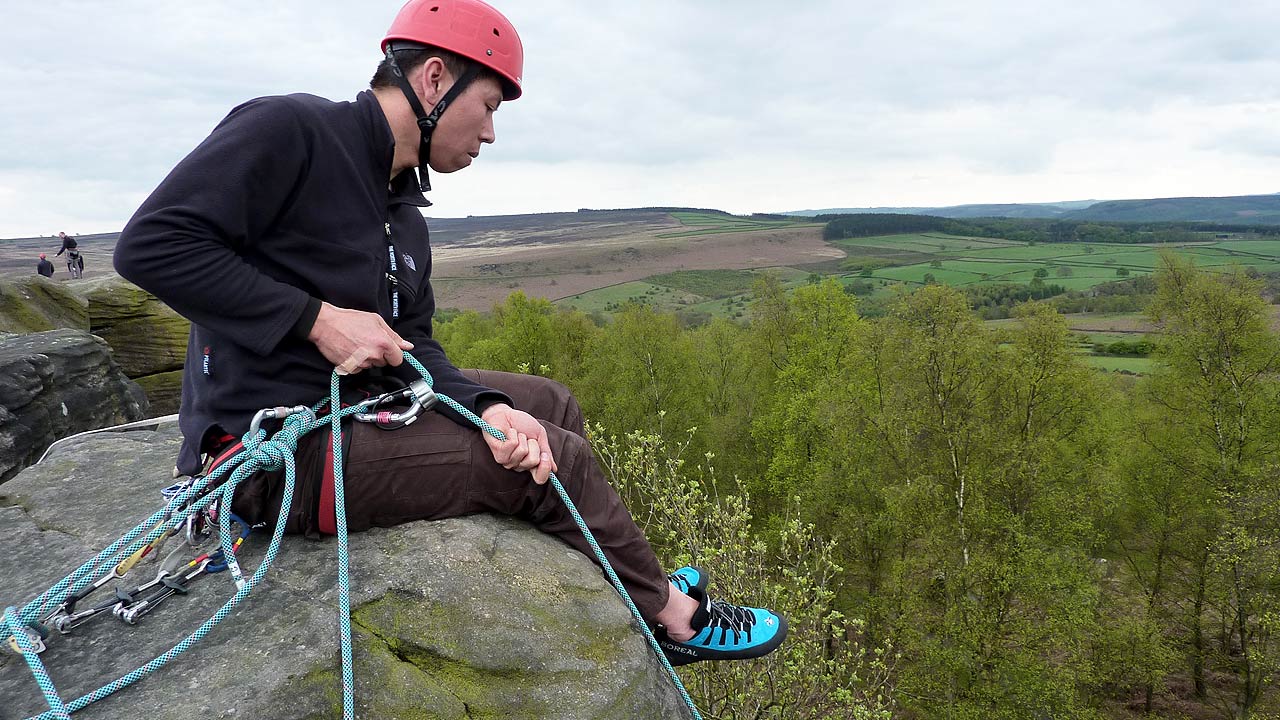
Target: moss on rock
{"x": 35, "y": 304}
{"x": 164, "y": 391}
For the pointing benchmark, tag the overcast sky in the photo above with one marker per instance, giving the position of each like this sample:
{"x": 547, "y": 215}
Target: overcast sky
{"x": 742, "y": 105}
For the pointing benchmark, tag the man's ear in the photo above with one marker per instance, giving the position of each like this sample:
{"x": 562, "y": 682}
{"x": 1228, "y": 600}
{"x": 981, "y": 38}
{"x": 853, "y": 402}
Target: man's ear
{"x": 433, "y": 81}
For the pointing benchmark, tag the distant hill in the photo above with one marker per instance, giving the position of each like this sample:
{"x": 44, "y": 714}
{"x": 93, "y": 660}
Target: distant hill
{"x": 1237, "y": 210}
{"x": 1012, "y": 210}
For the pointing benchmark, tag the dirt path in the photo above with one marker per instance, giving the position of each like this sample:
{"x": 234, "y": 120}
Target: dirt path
{"x": 478, "y": 280}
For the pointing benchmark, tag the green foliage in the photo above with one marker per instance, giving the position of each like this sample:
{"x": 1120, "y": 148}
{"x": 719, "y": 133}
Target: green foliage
{"x": 869, "y": 225}
{"x": 998, "y": 300}
{"x": 1199, "y": 522}
{"x": 692, "y": 515}
{"x": 972, "y": 445}
{"x": 1030, "y": 230}
{"x": 637, "y": 377}
{"x": 859, "y": 287}
{"x": 960, "y": 522}
{"x": 1133, "y": 348}
{"x": 520, "y": 334}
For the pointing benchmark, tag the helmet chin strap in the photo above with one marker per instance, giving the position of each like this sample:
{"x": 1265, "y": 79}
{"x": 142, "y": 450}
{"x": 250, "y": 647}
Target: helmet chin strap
{"x": 427, "y": 121}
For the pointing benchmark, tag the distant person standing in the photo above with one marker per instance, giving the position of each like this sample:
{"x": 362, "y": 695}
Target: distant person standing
{"x": 75, "y": 261}
{"x": 68, "y": 243}
{"x": 44, "y": 267}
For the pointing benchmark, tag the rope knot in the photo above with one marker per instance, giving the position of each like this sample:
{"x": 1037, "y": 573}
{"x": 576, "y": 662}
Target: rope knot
{"x": 271, "y": 455}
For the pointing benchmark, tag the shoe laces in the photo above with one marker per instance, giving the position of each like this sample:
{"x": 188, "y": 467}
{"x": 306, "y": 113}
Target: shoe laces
{"x": 728, "y": 616}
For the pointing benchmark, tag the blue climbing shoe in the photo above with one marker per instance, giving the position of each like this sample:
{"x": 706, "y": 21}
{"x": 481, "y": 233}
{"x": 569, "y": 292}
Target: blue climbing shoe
{"x": 723, "y": 631}
{"x": 687, "y": 577}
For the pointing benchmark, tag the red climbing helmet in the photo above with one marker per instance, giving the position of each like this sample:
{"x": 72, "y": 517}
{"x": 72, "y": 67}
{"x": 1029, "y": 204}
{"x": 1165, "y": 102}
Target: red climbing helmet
{"x": 469, "y": 28}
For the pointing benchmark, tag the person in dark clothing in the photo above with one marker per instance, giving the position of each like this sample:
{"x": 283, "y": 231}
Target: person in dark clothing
{"x": 75, "y": 261}
{"x": 68, "y": 243}
{"x": 293, "y": 239}
{"x": 44, "y": 267}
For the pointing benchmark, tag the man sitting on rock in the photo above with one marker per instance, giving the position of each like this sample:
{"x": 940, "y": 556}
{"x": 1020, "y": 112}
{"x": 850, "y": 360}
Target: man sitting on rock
{"x": 292, "y": 238}
{"x": 44, "y": 267}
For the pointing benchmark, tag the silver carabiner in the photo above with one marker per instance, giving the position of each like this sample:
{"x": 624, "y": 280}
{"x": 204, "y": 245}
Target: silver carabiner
{"x": 274, "y": 413}
{"x": 420, "y": 396}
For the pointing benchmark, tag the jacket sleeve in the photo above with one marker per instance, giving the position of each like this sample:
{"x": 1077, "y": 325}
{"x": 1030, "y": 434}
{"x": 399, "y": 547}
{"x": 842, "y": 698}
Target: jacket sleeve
{"x": 186, "y": 243}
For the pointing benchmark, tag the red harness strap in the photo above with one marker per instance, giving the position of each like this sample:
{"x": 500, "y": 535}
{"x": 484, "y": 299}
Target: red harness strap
{"x": 224, "y": 455}
{"x": 328, "y": 520}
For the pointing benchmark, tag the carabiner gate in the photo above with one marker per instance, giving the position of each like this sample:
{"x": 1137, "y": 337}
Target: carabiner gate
{"x": 420, "y": 396}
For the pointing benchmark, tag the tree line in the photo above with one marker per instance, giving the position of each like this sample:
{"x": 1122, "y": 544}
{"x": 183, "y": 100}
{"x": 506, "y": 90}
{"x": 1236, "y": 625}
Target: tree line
{"x": 1030, "y": 229}
{"x": 962, "y": 522}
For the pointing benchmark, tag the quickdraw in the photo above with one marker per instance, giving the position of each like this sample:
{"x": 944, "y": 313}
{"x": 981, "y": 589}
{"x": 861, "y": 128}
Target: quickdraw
{"x": 130, "y": 604}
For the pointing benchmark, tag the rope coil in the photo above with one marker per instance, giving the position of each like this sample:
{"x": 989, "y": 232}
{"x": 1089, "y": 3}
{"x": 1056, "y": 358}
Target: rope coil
{"x": 269, "y": 454}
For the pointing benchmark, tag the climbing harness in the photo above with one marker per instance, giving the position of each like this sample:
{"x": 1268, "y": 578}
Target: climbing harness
{"x": 27, "y": 628}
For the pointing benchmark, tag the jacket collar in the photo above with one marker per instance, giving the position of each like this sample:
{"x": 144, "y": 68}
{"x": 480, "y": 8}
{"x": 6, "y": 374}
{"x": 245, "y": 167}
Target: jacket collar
{"x": 404, "y": 187}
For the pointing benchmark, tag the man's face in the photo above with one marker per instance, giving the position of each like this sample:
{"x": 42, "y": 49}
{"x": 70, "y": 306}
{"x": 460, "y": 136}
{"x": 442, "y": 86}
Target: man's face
{"x": 465, "y": 126}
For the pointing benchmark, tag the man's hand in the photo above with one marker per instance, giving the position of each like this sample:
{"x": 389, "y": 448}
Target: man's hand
{"x": 354, "y": 340}
{"x": 526, "y": 446}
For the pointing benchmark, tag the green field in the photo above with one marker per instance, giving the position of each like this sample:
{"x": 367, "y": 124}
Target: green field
{"x": 961, "y": 261}
{"x": 706, "y": 223}
{"x": 1130, "y": 327}
{"x": 1136, "y": 365}
{"x": 707, "y": 283}
{"x": 1090, "y": 337}
{"x": 1029, "y": 252}
{"x": 892, "y": 263}
{"x": 922, "y": 242}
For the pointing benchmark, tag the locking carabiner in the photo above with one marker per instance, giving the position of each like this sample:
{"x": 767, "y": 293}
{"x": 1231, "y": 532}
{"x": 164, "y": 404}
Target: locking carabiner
{"x": 419, "y": 395}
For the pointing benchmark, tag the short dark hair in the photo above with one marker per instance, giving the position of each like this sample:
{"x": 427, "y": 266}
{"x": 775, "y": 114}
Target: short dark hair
{"x": 412, "y": 58}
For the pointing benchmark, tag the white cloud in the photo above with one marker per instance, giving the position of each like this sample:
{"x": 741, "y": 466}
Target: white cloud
{"x": 743, "y": 105}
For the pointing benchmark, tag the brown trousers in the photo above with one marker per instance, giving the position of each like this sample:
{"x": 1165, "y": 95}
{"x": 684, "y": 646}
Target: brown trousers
{"x": 435, "y": 469}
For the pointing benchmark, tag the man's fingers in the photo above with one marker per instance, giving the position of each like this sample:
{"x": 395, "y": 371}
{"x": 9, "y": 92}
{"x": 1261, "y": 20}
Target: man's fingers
{"x": 519, "y": 453}
{"x": 532, "y": 454}
{"x": 502, "y": 449}
{"x": 394, "y": 352}
{"x": 394, "y": 355}
{"x": 543, "y": 471}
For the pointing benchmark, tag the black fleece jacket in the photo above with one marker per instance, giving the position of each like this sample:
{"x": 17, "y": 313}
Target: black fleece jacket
{"x": 284, "y": 205}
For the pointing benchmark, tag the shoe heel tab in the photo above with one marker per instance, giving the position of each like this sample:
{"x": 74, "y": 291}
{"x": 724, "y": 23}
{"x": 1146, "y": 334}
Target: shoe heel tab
{"x": 701, "y": 616}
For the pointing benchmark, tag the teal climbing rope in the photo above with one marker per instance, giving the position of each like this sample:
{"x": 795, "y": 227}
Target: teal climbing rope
{"x": 344, "y": 566}
{"x": 260, "y": 453}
